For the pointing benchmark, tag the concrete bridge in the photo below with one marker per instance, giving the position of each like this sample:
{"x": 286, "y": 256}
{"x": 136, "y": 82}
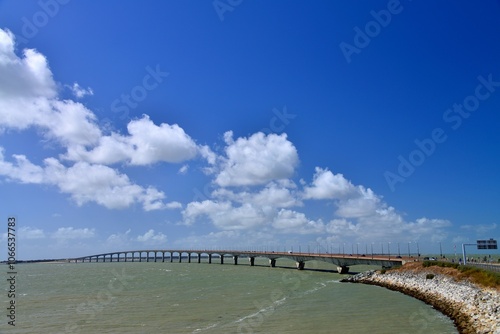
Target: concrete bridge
{"x": 342, "y": 261}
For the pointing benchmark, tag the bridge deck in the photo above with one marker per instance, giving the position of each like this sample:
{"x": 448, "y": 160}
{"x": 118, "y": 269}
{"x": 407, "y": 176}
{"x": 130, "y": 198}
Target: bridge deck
{"x": 340, "y": 260}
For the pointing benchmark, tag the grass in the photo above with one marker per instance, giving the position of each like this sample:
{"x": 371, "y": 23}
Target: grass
{"x": 479, "y": 276}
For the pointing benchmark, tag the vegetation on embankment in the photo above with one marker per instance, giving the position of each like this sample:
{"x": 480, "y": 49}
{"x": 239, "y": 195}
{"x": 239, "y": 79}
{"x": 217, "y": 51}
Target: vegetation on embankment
{"x": 481, "y": 277}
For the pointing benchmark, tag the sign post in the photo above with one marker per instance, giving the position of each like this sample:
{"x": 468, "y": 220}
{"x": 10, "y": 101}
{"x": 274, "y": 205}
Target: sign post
{"x": 481, "y": 244}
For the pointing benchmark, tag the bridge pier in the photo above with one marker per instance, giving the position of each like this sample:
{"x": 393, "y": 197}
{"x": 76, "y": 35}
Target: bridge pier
{"x": 252, "y": 261}
{"x": 199, "y": 257}
{"x": 189, "y": 257}
{"x": 272, "y": 263}
{"x": 300, "y": 265}
{"x": 171, "y": 256}
{"x": 342, "y": 269}
{"x": 221, "y": 259}
{"x": 180, "y": 257}
{"x": 235, "y": 260}
{"x": 162, "y": 256}
{"x": 209, "y": 258}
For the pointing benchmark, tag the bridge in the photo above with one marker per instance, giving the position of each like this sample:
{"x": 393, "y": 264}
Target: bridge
{"x": 342, "y": 261}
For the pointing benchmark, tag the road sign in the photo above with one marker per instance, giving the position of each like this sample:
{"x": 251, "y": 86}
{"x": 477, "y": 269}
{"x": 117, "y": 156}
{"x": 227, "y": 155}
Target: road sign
{"x": 487, "y": 244}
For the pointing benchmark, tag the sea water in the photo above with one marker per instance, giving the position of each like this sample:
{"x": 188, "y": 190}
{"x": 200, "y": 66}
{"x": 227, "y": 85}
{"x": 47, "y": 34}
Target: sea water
{"x": 166, "y": 297}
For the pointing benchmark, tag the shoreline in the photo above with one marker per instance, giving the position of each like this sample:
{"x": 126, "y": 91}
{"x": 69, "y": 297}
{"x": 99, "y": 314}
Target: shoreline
{"x": 472, "y": 308}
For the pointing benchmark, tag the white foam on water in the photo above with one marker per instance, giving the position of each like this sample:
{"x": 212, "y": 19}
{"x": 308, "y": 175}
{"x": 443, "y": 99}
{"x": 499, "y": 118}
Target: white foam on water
{"x": 263, "y": 310}
{"x": 205, "y": 328}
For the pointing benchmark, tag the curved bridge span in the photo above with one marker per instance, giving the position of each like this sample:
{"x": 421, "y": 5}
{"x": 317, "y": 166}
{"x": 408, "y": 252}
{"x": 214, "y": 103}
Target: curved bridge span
{"x": 342, "y": 261}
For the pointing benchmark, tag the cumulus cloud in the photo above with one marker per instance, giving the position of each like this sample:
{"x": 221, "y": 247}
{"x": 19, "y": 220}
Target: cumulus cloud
{"x": 289, "y": 221}
{"x": 69, "y": 233}
{"x": 363, "y": 215}
{"x": 85, "y": 183}
{"x": 327, "y": 185}
{"x": 151, "y": 237}
{"x": 27, "y": 84}
{"x": 31, "y": 233}
{"x": 79, "y": 91}
{"x": 256, "y": 160}
{"x": 147, "y": 143}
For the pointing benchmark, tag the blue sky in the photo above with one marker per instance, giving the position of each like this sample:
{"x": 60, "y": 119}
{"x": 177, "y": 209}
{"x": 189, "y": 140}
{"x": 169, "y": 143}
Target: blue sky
{"x": 133, "y": 125}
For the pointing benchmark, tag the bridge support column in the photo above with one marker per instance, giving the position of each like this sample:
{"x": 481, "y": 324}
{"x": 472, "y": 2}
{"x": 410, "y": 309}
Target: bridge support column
{"x": 171, "y": 256}
{"x": 343, "y": 269}
{"x": 189, "y": 257}
{"x": 300, "y": 265}
{"x": 118, "y": 257}
{"x": 140, "y": 256}
{"x": 147, "y": 256}
{"x": 162, "y": 256}
{"x": 272, "y": 262}
{"x": 180, "y": 257}
{"x": 209, "y": 258}
{"x": 252, "y": 261}
{"x": 199, "y": 258}
{"x": 235, "y": 260}
{"x": 221, "y": 259}
{"x": 156, "y": 256}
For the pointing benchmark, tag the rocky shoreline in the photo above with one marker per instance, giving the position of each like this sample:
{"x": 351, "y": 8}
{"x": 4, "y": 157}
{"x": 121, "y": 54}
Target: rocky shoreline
{"x": 473, "y": 309}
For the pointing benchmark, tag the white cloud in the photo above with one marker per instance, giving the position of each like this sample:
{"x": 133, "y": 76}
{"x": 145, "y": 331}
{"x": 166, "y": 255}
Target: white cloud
{"x": 85, "y": 183}
{"x": 227, "y": 239}
{"x": 30, "y": 233}
{"x": 151, "y": 237}
{"x": 257, "y": 160}
{"x": 183, "y": 170}
{"x": 327, "y": 185}
{"x": 147, "y": 143}
{"x": 79, "y": 91}
{"x": 28, "y": 76}
{"x": 70, "y": 233}
{"x": 364, "y": 202}
{"x": 289, "y": 221}
{"x": 480, "y": 228}
{"x": 26, "y": 84}
{"x": 119, "y": 240}
{"x": 274, "y": 194}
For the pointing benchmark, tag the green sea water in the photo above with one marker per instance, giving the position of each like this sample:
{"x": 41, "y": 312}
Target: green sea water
{"x": 208, "y": 298}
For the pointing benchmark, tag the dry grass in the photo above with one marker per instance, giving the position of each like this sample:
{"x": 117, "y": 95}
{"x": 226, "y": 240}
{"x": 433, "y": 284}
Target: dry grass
{"x": 478, "y": 276}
